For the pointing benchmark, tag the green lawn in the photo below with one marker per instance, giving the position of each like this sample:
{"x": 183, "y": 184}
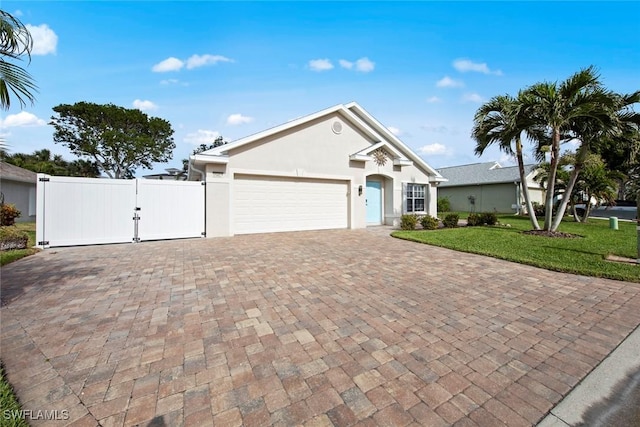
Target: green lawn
{"x": 9, "y": 256}
{"x": 9, "y": 404}
{"x": 8, "y": 401}
{"x": 584, "y": 255}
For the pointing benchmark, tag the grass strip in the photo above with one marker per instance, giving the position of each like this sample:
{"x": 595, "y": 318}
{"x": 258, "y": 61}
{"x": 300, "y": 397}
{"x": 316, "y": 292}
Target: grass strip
{"x": 585, "y": 255}
{"x": 9, "y": 404}
{"x": 15, "y": 254}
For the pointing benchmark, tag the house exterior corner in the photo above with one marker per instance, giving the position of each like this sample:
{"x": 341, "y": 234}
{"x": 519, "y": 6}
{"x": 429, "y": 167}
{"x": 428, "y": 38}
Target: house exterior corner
{"x": 338, "y": 168}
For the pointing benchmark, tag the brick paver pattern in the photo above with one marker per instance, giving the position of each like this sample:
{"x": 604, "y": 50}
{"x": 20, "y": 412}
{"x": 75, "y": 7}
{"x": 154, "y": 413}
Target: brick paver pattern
{"x": 311, "y": 328}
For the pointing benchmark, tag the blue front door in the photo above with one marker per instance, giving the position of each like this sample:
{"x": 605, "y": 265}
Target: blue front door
{"x": 374, "y": 202}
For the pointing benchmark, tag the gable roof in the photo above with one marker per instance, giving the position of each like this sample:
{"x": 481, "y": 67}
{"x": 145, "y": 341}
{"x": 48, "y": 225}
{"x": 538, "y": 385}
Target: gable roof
{"x": 482, "y": 173}
{"x": 353, "y": 113}
{"x": 11, "y": 172}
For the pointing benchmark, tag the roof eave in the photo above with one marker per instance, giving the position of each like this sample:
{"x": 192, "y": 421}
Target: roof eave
{"x": 373, "y": 122}
{"x": 206, "y": 159}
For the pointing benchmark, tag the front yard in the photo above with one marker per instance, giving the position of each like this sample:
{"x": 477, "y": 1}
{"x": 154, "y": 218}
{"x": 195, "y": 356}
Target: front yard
{"x": 12, "y": 255}
{"x": 584, "y": 255}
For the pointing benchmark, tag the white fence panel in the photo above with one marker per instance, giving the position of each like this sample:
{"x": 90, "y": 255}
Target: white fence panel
{"x": 170, "y": 209}
{"x": 84, "y": 211}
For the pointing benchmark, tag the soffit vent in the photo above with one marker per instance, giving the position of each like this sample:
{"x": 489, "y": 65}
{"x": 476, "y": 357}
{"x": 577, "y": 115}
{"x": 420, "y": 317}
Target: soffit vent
{"x": 336, "y": 127}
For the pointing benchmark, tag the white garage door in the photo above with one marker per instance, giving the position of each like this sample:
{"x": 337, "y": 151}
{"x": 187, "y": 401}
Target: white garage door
{"x": 268, "y": 204}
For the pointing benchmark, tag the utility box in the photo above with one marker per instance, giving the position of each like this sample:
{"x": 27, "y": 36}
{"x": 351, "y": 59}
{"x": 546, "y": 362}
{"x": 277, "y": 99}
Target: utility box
{"x": 613, "y": 222}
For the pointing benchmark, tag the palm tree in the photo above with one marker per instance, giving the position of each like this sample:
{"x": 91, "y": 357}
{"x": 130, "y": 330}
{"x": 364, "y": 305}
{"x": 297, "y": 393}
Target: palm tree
{"x": 15, "y": 42}
{"x": 595, "y": 182}
{"x": 592, "y": 133}
{"x": 501, "y": 121}
{"x": 557, "y": 107}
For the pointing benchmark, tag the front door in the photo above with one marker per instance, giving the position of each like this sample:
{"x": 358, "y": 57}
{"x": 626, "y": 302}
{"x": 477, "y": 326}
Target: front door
{"x": 374, "y": 202}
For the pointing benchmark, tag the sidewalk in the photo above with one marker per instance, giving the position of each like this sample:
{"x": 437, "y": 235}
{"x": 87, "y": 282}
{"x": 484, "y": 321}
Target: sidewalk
{"x": 608, "y": 395}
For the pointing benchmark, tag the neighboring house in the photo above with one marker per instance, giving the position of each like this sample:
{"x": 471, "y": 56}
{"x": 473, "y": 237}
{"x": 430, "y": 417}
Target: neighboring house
{"x": 19, "y": 188}
{"x": 171, "y": 174}
{"x": 337, "y": 168}
{"x": 488, "y": 187}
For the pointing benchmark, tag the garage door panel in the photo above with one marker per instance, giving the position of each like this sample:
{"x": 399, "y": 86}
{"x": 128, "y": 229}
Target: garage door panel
{"x": 270, "y": 204}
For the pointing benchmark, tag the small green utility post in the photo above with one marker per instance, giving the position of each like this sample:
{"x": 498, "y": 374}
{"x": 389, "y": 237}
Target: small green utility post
{"x": 613, "y": 222}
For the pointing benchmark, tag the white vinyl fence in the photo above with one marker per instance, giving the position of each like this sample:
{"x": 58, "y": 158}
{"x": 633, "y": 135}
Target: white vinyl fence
{"x": 88, "y": 211}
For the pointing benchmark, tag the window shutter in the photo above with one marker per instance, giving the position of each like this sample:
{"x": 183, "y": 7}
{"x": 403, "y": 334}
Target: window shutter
{"x": 32, "y": 201}
{"x": 404, "y": 198}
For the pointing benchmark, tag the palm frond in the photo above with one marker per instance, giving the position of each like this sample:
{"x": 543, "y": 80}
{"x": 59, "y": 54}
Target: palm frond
{"x": 16, "y": 80}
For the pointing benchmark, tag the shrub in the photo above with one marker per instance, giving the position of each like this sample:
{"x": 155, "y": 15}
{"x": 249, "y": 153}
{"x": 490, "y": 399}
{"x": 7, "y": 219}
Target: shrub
{"x": 408, "y": 221}
{"x": 473, "y": 219}
{"x": 8, "y": 214}
{"x": 444, "y": 205}
{"x": 538, "y": 209}
{"x": 489, "y": 218}
{"x": 12, "y": 238}
{"x": 451, "y": 220}
{"x": 429, "y": 223}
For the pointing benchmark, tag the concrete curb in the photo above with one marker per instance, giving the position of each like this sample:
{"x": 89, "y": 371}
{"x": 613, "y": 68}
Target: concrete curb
{"x": 598, "y": 385}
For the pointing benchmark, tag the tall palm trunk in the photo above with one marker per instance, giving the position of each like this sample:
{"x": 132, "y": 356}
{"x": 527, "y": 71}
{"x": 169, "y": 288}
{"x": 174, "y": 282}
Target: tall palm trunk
{"x": 638, "y": 223}
{"x": 525, "y": 187}
{"x": 551, "y": 180}
{"x": 579, "y": 163}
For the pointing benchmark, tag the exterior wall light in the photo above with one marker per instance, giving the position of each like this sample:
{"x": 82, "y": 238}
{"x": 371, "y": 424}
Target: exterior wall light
{"x": 360, "y": 190}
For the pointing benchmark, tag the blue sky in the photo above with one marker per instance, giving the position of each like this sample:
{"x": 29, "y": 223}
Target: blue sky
{"x": 236, "y": 68}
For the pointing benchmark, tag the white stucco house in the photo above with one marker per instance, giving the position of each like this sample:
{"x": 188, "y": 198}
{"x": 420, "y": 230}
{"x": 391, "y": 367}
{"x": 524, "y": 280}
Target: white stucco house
{"x": 18, "y": 186}
{"x": 336, "y": 168}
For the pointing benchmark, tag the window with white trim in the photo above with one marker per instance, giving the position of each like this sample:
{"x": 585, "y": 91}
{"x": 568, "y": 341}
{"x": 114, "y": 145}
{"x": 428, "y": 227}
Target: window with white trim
{"x": 416, "y": 198}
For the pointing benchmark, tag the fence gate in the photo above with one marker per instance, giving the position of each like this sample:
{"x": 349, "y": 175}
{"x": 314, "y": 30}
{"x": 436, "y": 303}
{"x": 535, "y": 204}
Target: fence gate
{"x": 87, "y": 211}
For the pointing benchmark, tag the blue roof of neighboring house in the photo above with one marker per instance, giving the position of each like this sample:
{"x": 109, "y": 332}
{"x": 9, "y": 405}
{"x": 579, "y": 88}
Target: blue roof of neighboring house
{"x": 11, "y": 172}
{"x": 481, "y": 173}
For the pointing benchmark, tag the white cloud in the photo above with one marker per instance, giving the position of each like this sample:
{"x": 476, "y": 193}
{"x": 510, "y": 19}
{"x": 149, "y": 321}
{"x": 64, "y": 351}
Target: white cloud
{"x": 433, "y": 100}
{"x": 18, "y": 13}
{"x": 238, "y": 119}
{"x": 44, "y": 38}
{"x": 169, "y": 82}
{"x": 21, "y": 119}
{"x": 196, "y": 61}
{"x": 346, "y": 64}
{"x": 465, "y": 65}
{"x": 394, "y": 130}
{"x": 507, "y": 159}
{"x": 447, "y": 81}
{"x": 320, "y": 65}
{"x": 472, "y": 97}
{"x": 169, "y": 64}
{"x": 435, "y": 129}
{"x": 432, "y": 149}
{"x": 144, "y": 105}
{"x": 365, "y": 65}
{"x": 202, "y": 136}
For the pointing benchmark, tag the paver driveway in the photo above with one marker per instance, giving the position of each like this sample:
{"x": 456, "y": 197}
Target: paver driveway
{"x": 317, "y": 328}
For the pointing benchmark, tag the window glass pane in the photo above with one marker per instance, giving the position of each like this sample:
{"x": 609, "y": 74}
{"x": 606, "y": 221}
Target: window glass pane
{"x": 409, "y": 190}
{"x": 409, "y": 205}
{"x": 419, "y": 205}
{"x": 419, "y": 191}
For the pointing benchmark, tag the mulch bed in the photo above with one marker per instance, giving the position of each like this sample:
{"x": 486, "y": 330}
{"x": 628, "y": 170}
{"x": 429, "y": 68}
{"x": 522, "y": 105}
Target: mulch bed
{"x": 557, "y": 234}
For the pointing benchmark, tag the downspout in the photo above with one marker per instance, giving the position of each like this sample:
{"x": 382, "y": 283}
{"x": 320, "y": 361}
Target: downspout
{"x": 202, "y": 173}
{"x": 518, "y": 198}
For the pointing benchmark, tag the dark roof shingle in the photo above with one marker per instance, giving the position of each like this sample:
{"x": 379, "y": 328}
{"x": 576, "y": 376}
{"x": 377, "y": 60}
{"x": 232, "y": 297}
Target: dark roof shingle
{"x": 11, "y": 172}
{"x": 481, "y": 173}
